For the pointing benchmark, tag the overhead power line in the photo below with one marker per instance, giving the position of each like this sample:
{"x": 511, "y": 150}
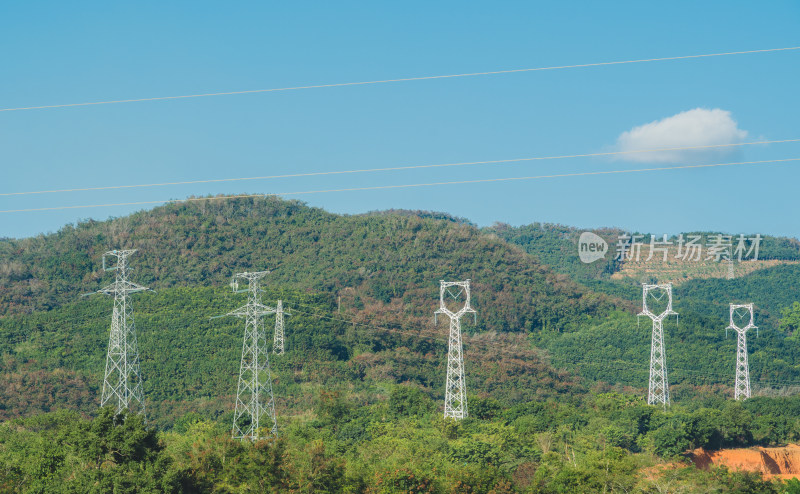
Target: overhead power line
{"x": 401, "y": 186}
{"x": 396, "y": 168}
{"x": 404, "y": 79}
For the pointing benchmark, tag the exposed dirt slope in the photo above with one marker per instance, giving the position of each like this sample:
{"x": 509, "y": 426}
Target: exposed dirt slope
{"x": 773, "y": 462}
{"x": 678, "y": 271}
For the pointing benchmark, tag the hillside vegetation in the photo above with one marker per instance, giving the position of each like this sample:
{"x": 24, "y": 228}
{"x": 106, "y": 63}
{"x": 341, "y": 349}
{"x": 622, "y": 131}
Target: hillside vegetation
{"x": 362, "y": 289}
{"x": 557, "y": 366}
{"x": 371, "y": 258}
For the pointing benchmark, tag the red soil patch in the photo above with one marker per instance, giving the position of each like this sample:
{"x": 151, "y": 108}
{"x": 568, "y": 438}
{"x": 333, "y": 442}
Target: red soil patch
{"x": 772, "y": 462}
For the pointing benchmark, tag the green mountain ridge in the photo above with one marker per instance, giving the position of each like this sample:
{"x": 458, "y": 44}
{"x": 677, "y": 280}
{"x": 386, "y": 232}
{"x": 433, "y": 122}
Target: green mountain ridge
{"x": 369, "y": 285}
{"x": 380, "y": 271}
{"x": 556, "y": 365}
{"x": 557, "y": 246}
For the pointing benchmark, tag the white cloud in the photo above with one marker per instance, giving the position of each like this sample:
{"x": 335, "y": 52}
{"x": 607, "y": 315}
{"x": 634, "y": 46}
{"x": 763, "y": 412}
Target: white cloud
{"x": 698, "y": 127}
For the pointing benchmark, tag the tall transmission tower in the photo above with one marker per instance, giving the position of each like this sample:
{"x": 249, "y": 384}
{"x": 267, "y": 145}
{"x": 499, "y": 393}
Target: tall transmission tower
{"x": 122, "y": 381}
{"x": 455, "y": 393}
{"x": 731, "y": 272}
{"x": 658, "y": 389}
{"x": 742, "y": 386}
{"x": 255, "y": 403}
{"x": 277, "y": 346}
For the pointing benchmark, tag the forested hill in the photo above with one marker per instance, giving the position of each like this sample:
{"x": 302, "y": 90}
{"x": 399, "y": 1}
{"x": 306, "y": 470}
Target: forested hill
{"x": 557, "y": 246}
{"x": 362, "y": 290}
{"x": 556, "y": 369}
{"x": 615, "y": 350}
{"x": 366, "y": 259}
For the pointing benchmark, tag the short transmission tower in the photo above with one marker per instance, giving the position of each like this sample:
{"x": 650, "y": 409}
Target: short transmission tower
{"x": 658, "y": 389}
{"x": 455, "y": 393}
{"x": 277, "y": 346}
{"x": 255, "y": 403}
{"x": 122, "y": 381}
{"x": 742, "y": 385}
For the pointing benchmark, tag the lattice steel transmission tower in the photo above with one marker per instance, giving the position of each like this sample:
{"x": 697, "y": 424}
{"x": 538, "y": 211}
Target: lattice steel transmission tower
{"x": 277, "y": 345}
{"x": 122, "y": 381}
{"x": 742, "y": 386}
{"x": 658, "y": 389}
{"x": 455, "y": 393}
{"x": 255, "y": 403}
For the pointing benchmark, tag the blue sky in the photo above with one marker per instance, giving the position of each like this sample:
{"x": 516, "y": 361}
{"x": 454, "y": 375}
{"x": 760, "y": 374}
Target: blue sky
{"x": 56, "y": 52}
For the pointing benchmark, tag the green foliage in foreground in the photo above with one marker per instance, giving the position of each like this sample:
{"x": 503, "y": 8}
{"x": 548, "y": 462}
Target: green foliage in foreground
{"x": 607, "y": 443}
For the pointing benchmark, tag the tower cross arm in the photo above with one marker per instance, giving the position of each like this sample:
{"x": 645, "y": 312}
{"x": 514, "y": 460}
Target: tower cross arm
{"x": 453, "y": 315}
{"x": 251, "y": 310}
{"x": 737, "y": 328}
{"x": 122, "y": 286}
{"x": 464, "y": 310}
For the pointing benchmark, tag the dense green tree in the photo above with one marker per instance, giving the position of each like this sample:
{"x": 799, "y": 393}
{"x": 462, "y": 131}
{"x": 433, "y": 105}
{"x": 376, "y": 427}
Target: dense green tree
{"x": 790, "y": 318}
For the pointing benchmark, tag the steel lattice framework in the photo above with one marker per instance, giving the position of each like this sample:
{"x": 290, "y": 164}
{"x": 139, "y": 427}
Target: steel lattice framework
{"x": 658, "y": 388}
{"x": 255, "y": 403}
{"x": 742, "y": 385}
{"x": 122, "y": 380}
{"x": 277, "y": 345}
{"x": 455, "y": 394}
